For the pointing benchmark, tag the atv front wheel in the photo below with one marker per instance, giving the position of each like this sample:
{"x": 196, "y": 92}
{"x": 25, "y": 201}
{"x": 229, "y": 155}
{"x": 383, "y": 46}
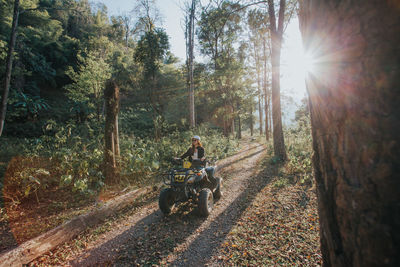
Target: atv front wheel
{"x": 166, "y": 200}
{"x": 206, "y": 202}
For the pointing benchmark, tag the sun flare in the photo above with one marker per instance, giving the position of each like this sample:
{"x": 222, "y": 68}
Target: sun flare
{"x": 304, "y": 63}
{"x": 309, "y": 63}
{"x": 296, "y": 67}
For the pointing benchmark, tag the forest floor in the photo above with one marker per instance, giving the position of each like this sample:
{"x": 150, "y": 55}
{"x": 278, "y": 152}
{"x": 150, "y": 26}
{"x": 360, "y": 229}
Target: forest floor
{"x": 260, "y": 220}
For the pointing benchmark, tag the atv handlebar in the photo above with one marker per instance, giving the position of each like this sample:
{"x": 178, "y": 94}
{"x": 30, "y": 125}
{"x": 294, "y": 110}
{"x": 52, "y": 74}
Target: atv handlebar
{"x": 177, "y": 161}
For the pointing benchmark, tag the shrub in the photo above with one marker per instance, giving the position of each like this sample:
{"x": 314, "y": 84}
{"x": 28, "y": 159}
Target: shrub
{"x": 26, "y": 177}
{"x": 299, "y": 150}
{"x": 72, "y": 158}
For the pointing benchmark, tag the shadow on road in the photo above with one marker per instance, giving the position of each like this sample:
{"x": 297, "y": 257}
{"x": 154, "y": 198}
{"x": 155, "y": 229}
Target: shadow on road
{"x": 207, "y": 244}
{"x": 154, "y": 235}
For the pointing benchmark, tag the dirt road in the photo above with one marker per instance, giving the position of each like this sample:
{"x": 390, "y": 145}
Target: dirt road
{"x": 147, "y": 237}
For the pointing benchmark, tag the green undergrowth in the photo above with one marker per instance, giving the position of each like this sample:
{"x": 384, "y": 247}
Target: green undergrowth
{"x": 72, "y": 159}
{"x": 297, "y": 169}
{"x": 299, "y": 151}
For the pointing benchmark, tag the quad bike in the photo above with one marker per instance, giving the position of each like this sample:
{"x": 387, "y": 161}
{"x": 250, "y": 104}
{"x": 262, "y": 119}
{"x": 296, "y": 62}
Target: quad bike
{"x": 190, "y": 182}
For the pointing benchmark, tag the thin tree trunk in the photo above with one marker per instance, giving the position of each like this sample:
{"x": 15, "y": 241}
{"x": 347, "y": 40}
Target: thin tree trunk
{"x": 11, "y": 45}
{"x": 251, "y": 121}
{"x": 276, "y": 38}
{"x": 190, "y": 63}
{"x": 226, "y": 127}
{"x": 355, "y": 114}
{"x": 111, "y": 96}
{"x": 257, "y": 59}
{"x": 239, "y": 136}
{"x": 270, "y": 112}
{"x": 156, "y": 113}
{"x": 232, "y": 118}
{"x": 265, "y": 84}
{"x": 260, "y": 110}
{"x": 116, "y": 137}
{"x": 266, "y": 119}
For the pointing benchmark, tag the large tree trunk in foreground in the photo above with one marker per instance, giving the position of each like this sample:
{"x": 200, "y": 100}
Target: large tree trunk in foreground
{"x": 355, "y": 112}
{"x": 111, "y": 95}
{"x": 11, "y": 45}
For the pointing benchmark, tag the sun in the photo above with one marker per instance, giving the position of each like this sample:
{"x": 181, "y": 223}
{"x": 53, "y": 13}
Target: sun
{"x": 309, "y": 63}
{"x": 297, "y": 65}
{"x": 304, "y": 63}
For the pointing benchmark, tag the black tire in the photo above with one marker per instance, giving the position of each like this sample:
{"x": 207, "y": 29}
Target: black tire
{"x": 206, "y": 202}
{"x": 166, "y": 200}
{"x": 217, "y": 192}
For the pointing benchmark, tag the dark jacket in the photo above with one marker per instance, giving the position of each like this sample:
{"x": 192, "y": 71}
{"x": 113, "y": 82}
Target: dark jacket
{"x": 190, "y": 151}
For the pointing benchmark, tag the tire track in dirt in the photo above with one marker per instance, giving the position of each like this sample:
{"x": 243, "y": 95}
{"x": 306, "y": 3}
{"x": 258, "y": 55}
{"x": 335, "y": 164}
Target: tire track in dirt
{"x": 201, "y": 246}
{"x": 183, "y": 238}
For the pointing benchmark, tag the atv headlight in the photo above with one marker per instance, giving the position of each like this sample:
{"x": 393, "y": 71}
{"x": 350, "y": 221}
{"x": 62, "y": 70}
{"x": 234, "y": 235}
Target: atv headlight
{"x": 179, "y": 178}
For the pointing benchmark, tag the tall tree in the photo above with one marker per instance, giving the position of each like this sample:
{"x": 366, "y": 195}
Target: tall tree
{"x": 258, "y": 24}
{"x": 354, "y": 96}
{"x": 190, "y": 32}
{"x": 219, "y": 29}
{"x": 150, "y": 52}
{"x": 276, "y": 38}
{"x": 89, "y": 81}
{"x": 127, "y": 24}
{"x": 266, "y": 83}
{"x": 11, "y": 44}
{"x": 148, "y": 14}
{"x": 43, "y": 50}
{"x": 111, "y": 147}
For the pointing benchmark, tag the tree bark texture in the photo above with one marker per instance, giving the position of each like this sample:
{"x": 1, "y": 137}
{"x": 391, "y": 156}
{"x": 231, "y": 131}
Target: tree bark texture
{"x": 354, "y": 97}
{"x": 265, "y": 88}
{"x": 190, "y": 67}
{"x": 111, "y": 95}
{"x": 270, "y": 114}
{"x": 251, "y": 121}
{"x": 11, "y": 45}
{"x": 116, "y": 137}
{"x": 276, "y": 38}
{"x": 239, "y": 136}
{"x": 266, "y": 118}
{"x": 260, "y": 110}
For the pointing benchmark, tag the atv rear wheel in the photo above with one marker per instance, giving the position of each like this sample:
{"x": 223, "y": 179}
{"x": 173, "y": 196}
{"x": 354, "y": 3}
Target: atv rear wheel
{"x": 206, "y": 202}
{"x": 217, "y": 192}
{"x": 166, "y": 200}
